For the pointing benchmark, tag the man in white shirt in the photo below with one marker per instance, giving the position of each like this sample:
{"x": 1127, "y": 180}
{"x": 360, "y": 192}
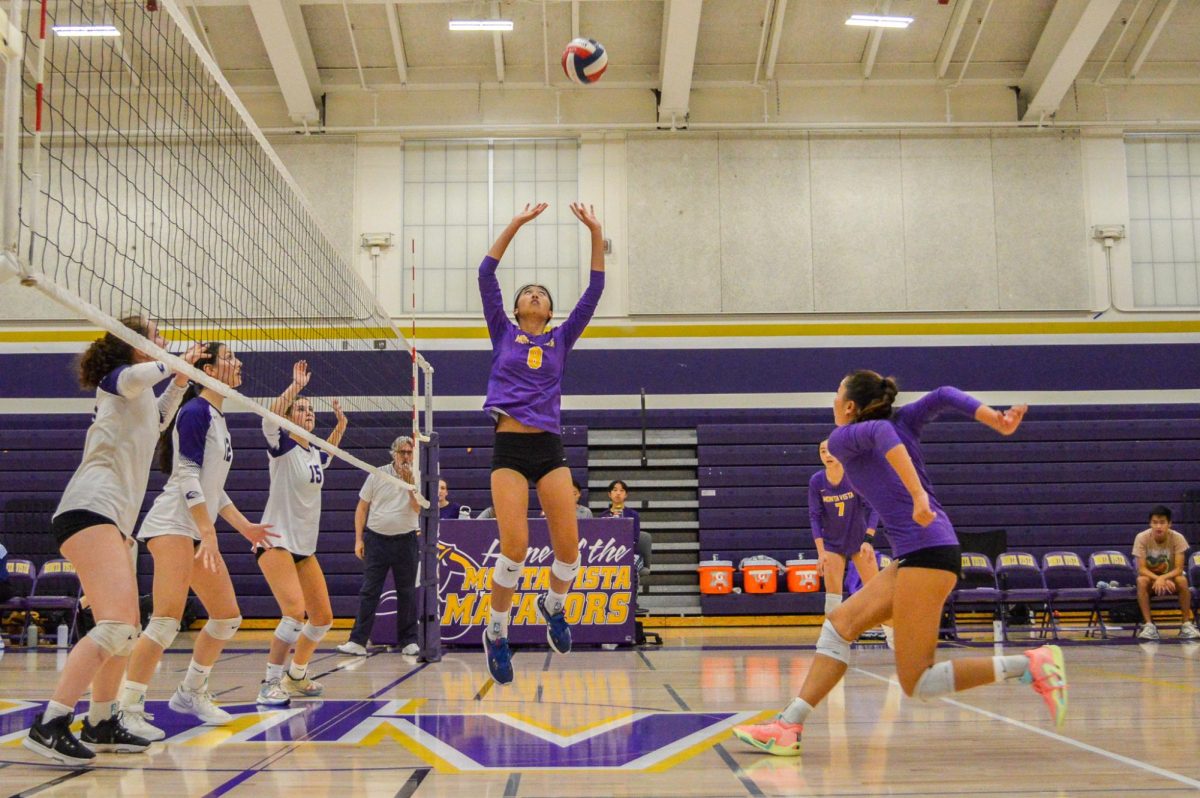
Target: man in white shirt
{"x": 386, "y": 529}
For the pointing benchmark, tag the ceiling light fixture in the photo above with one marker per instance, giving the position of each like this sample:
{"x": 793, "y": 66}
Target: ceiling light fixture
{"x": 481, "y": 24}
{"x": 878, "y": 21}
{"x": 86, "y": 30}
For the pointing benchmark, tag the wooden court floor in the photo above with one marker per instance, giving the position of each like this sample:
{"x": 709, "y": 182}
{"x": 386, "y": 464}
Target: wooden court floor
{"x": 636, "y": 723}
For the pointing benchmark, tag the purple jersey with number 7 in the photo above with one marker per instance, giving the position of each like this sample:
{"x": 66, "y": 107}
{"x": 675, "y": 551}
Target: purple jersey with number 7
{"x": 838, "y": 514}
{"x": 862, "y": 449}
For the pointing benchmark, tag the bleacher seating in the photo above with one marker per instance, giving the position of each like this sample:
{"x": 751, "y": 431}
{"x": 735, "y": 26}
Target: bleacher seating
{"x": 1080, "y": 484}
{"x": 38, "y": 454}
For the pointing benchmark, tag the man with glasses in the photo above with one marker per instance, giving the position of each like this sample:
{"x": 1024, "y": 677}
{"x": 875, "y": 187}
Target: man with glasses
{"x": 386, "y": 526}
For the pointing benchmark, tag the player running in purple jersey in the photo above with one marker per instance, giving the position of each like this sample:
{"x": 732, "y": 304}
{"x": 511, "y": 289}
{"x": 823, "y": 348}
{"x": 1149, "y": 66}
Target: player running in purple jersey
{"x": 880, "y": 450}
{"x": 523, "y": 398}
{"x": 843, "y": 529}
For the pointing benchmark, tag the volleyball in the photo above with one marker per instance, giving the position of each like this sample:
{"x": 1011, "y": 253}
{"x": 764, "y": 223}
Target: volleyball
{"x": 584, "y": 60}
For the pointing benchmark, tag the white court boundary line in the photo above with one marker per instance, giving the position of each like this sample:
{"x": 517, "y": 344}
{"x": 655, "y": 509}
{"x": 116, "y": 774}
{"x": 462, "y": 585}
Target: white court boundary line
{"x": 1121, "y": 758}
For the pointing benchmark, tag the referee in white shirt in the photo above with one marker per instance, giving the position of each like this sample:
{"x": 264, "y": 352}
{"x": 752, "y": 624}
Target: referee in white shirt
{"x": 386, "y": 525}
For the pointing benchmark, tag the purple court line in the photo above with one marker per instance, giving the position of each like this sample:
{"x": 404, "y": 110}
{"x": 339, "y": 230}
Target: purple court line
{"x": 403, "y": 678}
{"x": 344, "y": 665}
{"x": 73, "y": 774}
{"x": 742, "y": 776}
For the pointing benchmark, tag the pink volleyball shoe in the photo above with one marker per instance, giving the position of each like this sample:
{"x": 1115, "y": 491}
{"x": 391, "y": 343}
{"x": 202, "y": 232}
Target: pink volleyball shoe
{"x": 778, "y": 737}
{"x": 1048, "y": 675}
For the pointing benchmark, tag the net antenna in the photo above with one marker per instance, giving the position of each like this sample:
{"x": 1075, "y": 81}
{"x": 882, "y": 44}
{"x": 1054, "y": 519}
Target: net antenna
{"x": 136, "y": 182}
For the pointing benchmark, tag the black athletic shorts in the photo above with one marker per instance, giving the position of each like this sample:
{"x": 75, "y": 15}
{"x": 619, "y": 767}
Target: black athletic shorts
{"x": 296, "y": 558}
{"x": 533, "y": 455}
{"x": 940, "y": 558}
{"x": 67, "y": 524}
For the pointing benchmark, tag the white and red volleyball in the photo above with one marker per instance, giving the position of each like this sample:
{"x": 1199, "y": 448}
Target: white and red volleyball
{"x": 584, "y": 61}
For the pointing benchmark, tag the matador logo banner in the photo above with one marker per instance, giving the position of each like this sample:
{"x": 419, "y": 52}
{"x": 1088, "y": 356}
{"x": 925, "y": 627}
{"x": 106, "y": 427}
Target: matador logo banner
{"x": 599, "y": 607}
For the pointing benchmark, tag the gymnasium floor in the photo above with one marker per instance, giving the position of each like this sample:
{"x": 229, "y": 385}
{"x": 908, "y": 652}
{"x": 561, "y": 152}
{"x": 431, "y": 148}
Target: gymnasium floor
{"x": 638, "y": 723}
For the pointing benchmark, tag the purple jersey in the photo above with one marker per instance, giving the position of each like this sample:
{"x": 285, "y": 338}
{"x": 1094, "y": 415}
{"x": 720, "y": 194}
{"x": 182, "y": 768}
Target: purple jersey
{"x": 863, "y": 447}
{"x": 527, "y": 370}
{"x": 838, "y": 514}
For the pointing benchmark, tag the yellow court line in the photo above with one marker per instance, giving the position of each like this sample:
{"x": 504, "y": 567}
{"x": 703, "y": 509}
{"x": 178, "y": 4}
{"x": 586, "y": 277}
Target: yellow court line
{"x": 1129, "y": 677}
{"x": 411, "y": 706}
{"x": 705, "y": 744}
{"x": 387, "y": 730}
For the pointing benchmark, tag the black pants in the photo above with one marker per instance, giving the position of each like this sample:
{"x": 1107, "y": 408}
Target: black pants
{"x": 401, "y": 554}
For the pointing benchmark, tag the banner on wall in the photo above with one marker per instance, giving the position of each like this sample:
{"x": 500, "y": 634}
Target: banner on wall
{"x": 600, "y": 606}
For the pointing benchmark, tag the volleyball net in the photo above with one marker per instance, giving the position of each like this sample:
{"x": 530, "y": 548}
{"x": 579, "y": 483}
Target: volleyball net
{"x": 136, "y": 183}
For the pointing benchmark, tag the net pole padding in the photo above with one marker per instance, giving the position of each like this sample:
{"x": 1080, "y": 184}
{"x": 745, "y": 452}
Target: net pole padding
{"x": 180, "y": 17}
{"x": 12, "y": 139}
{"x": 35, "y": 173}
{"x": 110, "y": 325}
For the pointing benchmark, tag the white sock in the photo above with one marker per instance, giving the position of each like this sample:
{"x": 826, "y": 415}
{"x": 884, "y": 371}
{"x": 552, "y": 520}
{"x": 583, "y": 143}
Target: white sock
{"x": 498, "y": 625}
{"x": 1013, "y": 666}
{"x": 797, "y": 711}
{"x": 274, "y": 671}
{"x": 133, "y": 694}
{"x": 555, "y": 601}
{"x": 832, "y": 602}
{"x": 55, "y": 710}
{"x": 99, "y": 711}
{"x": 197, "y": 675}
{"x": 297, "y": 672}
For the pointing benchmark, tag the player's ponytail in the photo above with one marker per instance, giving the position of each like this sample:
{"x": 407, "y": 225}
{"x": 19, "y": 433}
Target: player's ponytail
{"x": 873, "y": 395}
{"x": 166, "y": 446}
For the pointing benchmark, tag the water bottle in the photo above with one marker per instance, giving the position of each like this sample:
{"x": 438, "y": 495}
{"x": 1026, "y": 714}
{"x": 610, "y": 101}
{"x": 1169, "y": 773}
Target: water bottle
{"x": 64, "y": 636}
{"x": 464, "y": 513}
{"x": 31, "y": 636}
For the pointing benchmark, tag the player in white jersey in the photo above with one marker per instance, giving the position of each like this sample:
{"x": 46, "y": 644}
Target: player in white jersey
{"x": 290, "y": 565}
{"x": 182, "y": 538}
{"x": 93, "y": 527}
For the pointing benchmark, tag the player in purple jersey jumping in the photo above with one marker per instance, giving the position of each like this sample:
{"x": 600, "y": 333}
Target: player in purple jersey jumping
{"x": 843, "y": 529}
{"x": 880, "y": 450}
{"x": 523, "y": 398}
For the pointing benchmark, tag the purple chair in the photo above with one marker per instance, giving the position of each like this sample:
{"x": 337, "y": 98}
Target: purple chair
{"x": 976, "y": 590}
{"x": 20, "y": 579}
{"x": 1021, "y": 582}
{"x": 57, "y": 588}
{"x": 1071, "y": 587}
{"x": 1115, "y": 576}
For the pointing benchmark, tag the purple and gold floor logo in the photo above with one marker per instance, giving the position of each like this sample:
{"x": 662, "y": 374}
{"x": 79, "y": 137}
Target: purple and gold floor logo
{"x": 624, "y": 740}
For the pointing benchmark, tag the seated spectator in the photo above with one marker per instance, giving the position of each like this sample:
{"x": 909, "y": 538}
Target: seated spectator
{"x": 618, "y": 492}
{"x": 446, "y": 508}
{"x": 1160, "y": 553}
{"x": 581, "y": 510}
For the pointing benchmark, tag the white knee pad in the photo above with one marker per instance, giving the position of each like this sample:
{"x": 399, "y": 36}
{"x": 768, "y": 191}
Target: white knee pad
{"x": 162, "y": 630}
{"x": 315, "y": 633}
{"x": 288, "y": 630}
{"x": 565, "y": 570}
{"x": 222, "y": 628}
{"x": 937, "y": 680}
{"x": 507, "y": 572}
{"x": 832, "y": 602}
{"x": 114, "y": 637}
{"x": 832, "y": 644}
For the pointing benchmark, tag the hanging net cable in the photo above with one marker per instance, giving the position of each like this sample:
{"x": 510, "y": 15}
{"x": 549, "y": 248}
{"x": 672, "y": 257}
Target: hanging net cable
{"x": 136, "y": 183}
